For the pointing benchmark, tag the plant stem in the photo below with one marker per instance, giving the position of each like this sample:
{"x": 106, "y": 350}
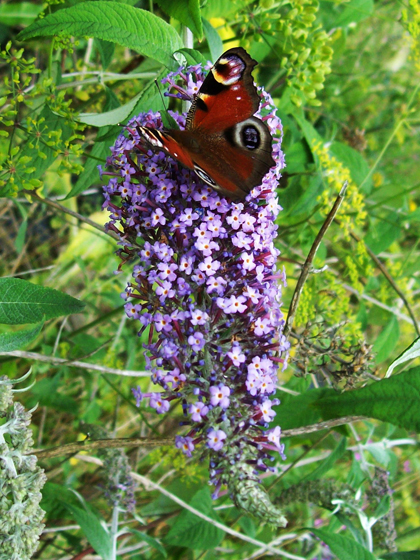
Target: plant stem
{"x": 76, "y": 215}
{"x": 114, "y": 531}
{"x": 307, "y": 265}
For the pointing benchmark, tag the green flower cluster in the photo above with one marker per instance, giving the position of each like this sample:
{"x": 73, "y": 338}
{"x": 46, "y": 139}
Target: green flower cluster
{"x": 411, "y": 22}
{"x": 305, "y": 52}
{"x": 32, "y": 140}
{"x": 21, "y": 480}
{"x": 12, "y": 93}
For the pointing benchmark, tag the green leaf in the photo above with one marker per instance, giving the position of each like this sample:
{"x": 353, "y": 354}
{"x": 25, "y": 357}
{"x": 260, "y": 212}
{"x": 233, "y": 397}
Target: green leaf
{"x": 192, "y": 531}
{"x": 100, "y": 151}
{"x": 125, "y": 25}
{"x": 344, "y": 520}
{"x": 193, "y": 57}
{"x": 328, "y": 463}
{"x": 354, "y": 161}
{"x": 46, "y": 393}
{"x": 151, "y": 541}
{"x": 384, "y": 233}
{"x": 114, "y": 117}
{"x": 413, "y": 351}
{"x": 393, "y": 400}
{"x": 19, "y": 13}
{"x": 22, "y": 302}
{"x": 106, "y": 51}
{"x": 185, "y": 11}
{"x": 309, "y": 132}
{"x": 17, "y": 340}
{"x": 380, "y": 453}
{"x": 354, "y": 11}
{"x": 307, "y": 201}
{"x": 298, "y": 156}
{"x": 149, "y": 99}
{"x": 386, "y": 341}
{"x": 93, "y": 530}
{"x": 298, "y": 411}
{"x": 90, "y": 173}
{"x": 54, "y": 496}
{"x": 21, "y": 234}
{"x": 383, "y": 507}
{"x": 343, "y": 547}
{"x": 213, "y": 39}
{"x": 221, "y": 8}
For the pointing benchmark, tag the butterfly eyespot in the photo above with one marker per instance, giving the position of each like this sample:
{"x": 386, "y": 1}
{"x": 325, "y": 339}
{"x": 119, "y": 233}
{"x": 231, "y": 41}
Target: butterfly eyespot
{"x": 250, "y": 137}
{"x": 203, "y": 176}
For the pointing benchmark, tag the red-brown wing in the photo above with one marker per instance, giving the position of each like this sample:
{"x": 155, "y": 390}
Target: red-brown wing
{"x": 227, "y": 96}
{"x": 233, "y": 163}
{"x": 223, "y": 142}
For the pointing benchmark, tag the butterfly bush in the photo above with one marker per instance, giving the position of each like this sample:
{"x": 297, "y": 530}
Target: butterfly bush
{"x": 207, "y": 292}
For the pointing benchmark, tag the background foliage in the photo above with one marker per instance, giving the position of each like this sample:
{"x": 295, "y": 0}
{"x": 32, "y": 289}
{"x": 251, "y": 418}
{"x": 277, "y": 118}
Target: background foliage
{"x": 345, "y": 79}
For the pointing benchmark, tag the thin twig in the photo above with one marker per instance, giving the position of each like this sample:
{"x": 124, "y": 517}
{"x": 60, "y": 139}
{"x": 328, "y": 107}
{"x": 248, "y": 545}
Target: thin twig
{"x": 90, "y": 445}
{"x": 76, "y": 215}
{"x": 321, "y": 426}
{"x": 307, "y": 265}
{"x": 74, "y": 363}
{"x": 32, "y": 271}
{"x": 391, "y": 281}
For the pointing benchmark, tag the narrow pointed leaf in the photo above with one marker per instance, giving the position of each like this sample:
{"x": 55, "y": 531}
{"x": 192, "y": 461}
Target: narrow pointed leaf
{"x": 343, "y": 547}
{"x": 328, "y": 463}
{"x": 22, "y": 302}
{"x": 413, "y": 351}
{"x": 150, "y": 541}
{"x": 185, "y": 11}
{"x": 93, "y": 530}
{"x": 192, "y": 531}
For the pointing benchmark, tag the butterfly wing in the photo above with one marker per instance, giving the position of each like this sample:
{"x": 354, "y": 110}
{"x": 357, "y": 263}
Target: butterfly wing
{"x": 235, "y": 147}
{"x": 228, "y": 148}
{"x": 228, "y": 94}
{"x": 232, "y": 162}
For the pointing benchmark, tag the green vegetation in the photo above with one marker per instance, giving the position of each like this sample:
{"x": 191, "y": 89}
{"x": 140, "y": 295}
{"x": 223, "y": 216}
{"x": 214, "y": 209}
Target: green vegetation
{"x": 345, "y": 77}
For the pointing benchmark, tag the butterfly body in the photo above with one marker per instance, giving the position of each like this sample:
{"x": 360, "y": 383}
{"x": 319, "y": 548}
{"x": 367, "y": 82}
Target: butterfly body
{"x": 226, "y": 146}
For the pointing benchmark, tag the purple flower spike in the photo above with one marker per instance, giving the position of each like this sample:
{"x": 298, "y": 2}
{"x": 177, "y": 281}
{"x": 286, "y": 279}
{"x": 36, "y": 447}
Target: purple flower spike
{"x": 206, "y": 291}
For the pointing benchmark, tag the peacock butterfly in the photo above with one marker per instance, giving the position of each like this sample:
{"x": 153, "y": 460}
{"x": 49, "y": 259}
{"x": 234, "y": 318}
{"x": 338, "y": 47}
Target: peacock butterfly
{"x": 223, "y": 142}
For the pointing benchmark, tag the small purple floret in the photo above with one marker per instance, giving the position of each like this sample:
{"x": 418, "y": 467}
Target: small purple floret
{"x": 215, "y": 439}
